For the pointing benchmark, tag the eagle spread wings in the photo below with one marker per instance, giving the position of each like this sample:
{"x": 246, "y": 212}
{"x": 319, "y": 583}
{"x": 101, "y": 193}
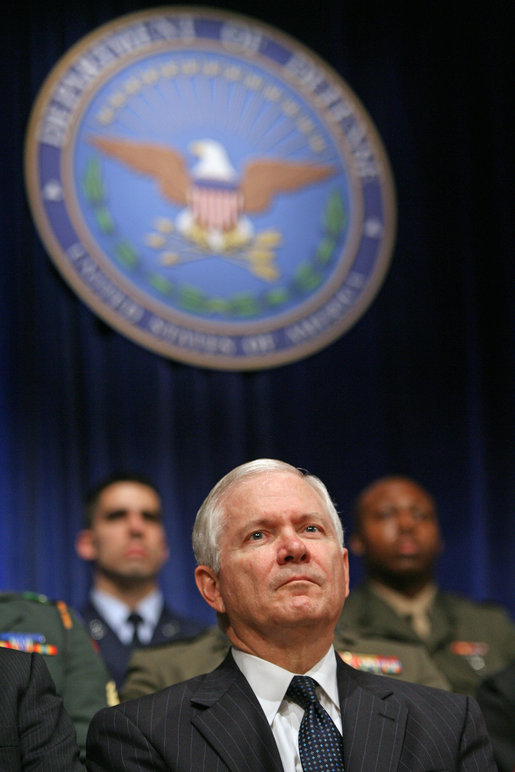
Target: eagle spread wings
{"x": 261, "y": 181}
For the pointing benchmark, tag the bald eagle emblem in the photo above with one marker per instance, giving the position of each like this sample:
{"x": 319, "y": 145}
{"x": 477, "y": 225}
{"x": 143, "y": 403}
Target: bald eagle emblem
{"x": 216, "y": 202}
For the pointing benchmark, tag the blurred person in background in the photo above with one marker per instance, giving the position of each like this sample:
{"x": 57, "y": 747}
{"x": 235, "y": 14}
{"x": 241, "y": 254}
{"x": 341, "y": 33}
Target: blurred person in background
{"x": 32, "y": 623}
{"x": 397, "y": 534}
{"x": 125, "y": 541}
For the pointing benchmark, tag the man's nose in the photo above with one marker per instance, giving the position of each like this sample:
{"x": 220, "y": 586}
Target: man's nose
{"x": 406, "y": 520}
{"x": 292, "y": 550}
{"x": 136, "y": 523}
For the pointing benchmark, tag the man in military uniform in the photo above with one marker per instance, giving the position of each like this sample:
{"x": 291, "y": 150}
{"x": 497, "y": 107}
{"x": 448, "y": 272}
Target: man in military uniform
{"x": 154, "y": 668}
{"x": 398, "y": 536}
{"x": 32, "y": 623}
{"x": 125, "y": 541}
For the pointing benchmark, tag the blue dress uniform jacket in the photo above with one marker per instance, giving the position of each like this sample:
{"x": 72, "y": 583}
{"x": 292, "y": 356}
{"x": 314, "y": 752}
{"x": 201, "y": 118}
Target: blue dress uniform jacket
{"x": 35, "y": 731}
{"x": 116, "y": 654}
{"x": 214, "y": 722}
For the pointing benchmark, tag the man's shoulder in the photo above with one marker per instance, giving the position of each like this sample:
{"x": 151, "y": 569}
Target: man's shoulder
{"x": 202, "y": 689}
{"x": 464, "y": 607}
{"x": 31, "y": 601}
{"x": 154, "y": 667}
{"x": 173, "y": 626}
{"x": 478, "y": 621}
{"x": 403, "y": 660}
{"x": 357, "y": 595}
{"x": 415, "y": 697}
{"x": 208, "y": 640}
{"x": 34, "y": 612}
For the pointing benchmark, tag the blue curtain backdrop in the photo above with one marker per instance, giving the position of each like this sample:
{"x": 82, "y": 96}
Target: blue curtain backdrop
{"x": 421, "y": 385}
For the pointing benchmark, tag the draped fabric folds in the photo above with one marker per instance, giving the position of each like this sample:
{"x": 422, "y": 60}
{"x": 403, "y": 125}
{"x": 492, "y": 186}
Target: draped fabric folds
{"x": 421, "y": 385}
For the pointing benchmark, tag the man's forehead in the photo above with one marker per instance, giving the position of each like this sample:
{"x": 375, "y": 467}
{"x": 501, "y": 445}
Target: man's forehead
{"x": 127, "y": 490}
{"x": 396, "y": 492}
{"x": 269, "y": 486}
{"x": 127, "y": 497}
{"x": 263, "y": 498}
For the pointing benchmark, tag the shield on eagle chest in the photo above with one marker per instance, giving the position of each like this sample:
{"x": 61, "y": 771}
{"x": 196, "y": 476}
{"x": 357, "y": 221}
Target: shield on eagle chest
{"x": 215, "y": 205}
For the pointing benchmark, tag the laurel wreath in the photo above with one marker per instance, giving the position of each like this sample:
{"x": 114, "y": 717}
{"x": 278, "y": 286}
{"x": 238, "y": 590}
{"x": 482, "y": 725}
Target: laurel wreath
{"x": 308, "y": 276}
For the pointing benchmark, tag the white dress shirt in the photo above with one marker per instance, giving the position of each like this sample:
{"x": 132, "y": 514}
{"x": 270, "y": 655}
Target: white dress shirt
{"x": 269, "y": 683}
{"x": 115, "y": 614}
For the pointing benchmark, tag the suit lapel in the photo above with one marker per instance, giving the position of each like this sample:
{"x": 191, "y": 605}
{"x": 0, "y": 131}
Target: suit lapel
{"x": 373, "y": 721}
{"x": 231, "y": 720}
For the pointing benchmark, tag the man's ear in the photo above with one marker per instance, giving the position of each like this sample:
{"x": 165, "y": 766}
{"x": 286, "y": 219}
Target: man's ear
{"x": 84, "y": 545}
{"x": 208, "y": 586}
{"x": 346, "y": 570}
{"x": 356, "y": 545}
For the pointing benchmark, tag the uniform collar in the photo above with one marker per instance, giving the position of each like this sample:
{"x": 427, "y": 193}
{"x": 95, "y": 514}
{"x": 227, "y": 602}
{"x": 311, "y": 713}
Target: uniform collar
{"x": 115, "y": 613}
{"x": 417, "y": 609}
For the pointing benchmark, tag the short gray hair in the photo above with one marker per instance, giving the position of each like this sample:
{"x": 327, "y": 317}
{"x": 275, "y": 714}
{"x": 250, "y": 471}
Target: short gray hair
{"x": 210, "y": 517}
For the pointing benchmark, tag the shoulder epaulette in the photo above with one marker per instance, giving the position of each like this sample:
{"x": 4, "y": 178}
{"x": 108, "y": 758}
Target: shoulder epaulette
{"x": 64, "y": 614}
{"x": 37, "y": 597}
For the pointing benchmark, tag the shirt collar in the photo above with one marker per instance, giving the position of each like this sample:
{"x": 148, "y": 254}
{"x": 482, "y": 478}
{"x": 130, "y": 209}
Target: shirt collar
{"x": 269, "y": 682}
{"x": 422, "y": 602}
{"x": 115, "y": 611}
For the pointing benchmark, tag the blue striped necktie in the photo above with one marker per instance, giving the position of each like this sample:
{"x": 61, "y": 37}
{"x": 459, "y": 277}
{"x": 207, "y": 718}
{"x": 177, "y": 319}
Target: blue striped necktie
{"x": 320, "y": 742}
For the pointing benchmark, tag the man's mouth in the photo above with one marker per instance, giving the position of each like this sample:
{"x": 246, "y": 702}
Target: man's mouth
{"x": 135, "y": 552}
{"x": 296, "y": 579}
{"x": 408, "y": 547}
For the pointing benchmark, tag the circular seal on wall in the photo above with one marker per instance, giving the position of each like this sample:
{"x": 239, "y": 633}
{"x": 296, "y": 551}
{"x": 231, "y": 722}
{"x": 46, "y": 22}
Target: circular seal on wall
{"x": 210, "y": 188}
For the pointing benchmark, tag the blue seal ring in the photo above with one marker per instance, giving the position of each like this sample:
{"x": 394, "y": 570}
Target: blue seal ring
{"x": 210, "y": 188}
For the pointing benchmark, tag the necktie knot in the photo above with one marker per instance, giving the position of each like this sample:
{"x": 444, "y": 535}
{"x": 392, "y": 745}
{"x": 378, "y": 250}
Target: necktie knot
{"x": 302, "y": 691}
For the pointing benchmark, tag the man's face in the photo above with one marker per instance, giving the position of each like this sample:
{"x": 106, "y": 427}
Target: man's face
{"x": 398, "y": 532}
{"x": 281, "y": 563}
{"x": 127, "y": 537}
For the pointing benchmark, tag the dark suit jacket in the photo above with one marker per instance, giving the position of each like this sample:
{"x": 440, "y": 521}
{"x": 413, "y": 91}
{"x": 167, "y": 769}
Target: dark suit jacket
{"x": 35, "y": 731}
{"x": 116, "y": 654}
{"x": 214, "y": 722}
{"x": 496, "y": 698}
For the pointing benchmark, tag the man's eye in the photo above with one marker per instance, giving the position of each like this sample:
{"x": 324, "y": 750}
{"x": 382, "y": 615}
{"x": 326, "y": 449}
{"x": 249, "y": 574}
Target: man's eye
{"x": 256, "y": 535}
{"x": 312, "y": 528}
{"x": 115, "y": 514}
{"x": 422, "y": 515}
{"x": 383, "y": 514}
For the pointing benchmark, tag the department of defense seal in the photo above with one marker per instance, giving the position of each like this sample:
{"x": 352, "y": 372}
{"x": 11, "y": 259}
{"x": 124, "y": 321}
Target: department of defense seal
{"x": 210, "y": 188}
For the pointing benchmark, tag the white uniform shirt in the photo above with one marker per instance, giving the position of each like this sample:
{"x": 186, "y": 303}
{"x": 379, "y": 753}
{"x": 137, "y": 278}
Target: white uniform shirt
{"x": 115, "y": 613}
